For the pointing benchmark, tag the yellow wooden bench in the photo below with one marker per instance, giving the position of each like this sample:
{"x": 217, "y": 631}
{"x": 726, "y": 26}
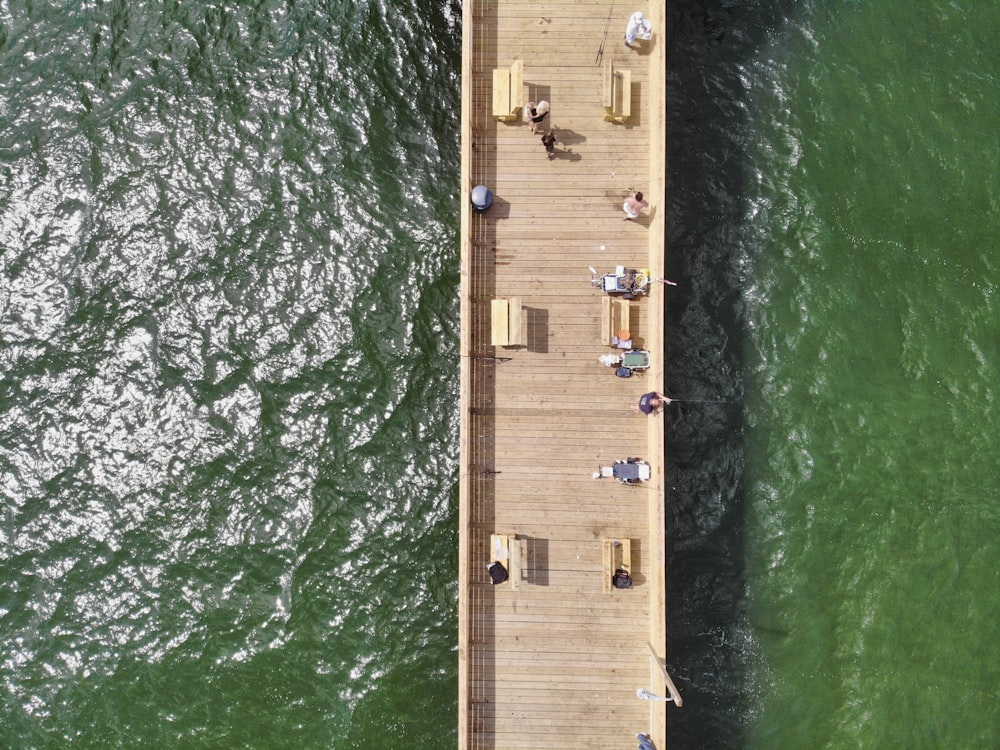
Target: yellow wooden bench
{"x": 506, "y": 550}
{"x": 514, "y": 558}
{"x": 614, "y": 318}
{"x": 617, "y": 93}
{"x": 505, "y": 322}
{"x": 617, "y": 556}
{"x": 508, "y": 91}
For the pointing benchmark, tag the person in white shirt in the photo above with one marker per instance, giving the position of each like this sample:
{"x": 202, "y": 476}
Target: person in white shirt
{"x": 637, "y": 27}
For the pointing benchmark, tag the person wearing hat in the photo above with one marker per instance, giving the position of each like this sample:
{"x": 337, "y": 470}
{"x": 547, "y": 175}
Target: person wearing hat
{"x": 637, "y": 27}
{"x": 652, "y": 403}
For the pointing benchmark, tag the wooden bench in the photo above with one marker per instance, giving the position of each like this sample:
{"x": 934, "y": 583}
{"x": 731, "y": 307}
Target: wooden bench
{"x": 614, "y": 318}
{"x": 508, "y": 91}
{"x": 617, "y": 556}
{"x": 617, "y": 93}
{"x": 514, "y": 558}
{"x": 506, "y": 550}
{"x": 505, "y": 322}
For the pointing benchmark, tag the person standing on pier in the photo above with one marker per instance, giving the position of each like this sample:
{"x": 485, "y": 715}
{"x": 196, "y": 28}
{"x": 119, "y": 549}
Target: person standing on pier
{"x": 549, "y": 141}
{"x": 536, "y": 113}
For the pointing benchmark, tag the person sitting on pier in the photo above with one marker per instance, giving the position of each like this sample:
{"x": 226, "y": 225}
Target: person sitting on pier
{"x": 633, "y": 205}
{"x": 652, "y": 403}
{"x": 638, "y": 27}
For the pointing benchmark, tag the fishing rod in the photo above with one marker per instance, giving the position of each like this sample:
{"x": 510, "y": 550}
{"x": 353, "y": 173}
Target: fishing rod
{"x": 668, "y": 282}
{"x": 699, "y": 401}
{"x": 607, "y": 26}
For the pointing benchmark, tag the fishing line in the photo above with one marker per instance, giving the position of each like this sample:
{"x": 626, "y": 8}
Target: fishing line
{"x": 699, "y": 401}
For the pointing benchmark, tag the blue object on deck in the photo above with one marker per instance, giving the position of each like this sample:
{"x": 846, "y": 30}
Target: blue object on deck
{"x": 482, "y": 197}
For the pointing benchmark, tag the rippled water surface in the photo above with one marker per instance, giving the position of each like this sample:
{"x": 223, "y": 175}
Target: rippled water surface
{"x": 228, "y": 336}
{"x": 835, "y": 527}
{"x": 228, "y": 316}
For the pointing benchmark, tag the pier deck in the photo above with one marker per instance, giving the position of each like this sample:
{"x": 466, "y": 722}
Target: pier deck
{"x": 554, "y": 661}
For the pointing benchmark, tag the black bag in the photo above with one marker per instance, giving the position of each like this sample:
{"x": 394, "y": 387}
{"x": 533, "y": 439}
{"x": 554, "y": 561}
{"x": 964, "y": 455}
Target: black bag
{"x": 498, "y": 574}
{"x": 621, "y": 579}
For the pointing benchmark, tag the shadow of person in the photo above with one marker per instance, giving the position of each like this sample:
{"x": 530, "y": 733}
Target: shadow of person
{"x": 568, "y": 137}
{"x": 566, "y": 154}
{"x": 644, "y": 47}
{"x": 647, "y": 218}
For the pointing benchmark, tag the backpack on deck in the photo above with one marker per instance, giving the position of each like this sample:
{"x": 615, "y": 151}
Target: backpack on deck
{"x": 498, "y": 574}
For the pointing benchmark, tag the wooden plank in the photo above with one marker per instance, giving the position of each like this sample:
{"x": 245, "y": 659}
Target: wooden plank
{"x": 501, "y": 94}
{"x": 607, "y": 315}
{"x": 515, "y": 334}
{"x": 608, "y": 569}
{"x": 617, "y": 556}
{"x": 625, "y": 105}
{"x": 516, "y": 86}
{"x": 555, "y": 664}
{"x": 623, "y": 323}
{"x": 617, "y": 94}
{"x": 500, "y": 322}
{"x": 609, "y": 86}
{"x": 615, "y": 318}
{"x": 514, "y": 560}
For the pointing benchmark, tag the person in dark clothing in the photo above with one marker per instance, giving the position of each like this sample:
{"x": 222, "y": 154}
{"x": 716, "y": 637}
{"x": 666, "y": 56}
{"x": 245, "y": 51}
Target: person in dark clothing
{"x": 652, "y": 403}
{"x": 549, "y": 141}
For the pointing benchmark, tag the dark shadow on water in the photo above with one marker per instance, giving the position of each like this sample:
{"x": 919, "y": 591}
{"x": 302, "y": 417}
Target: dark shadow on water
{"x": 711, "y": 654}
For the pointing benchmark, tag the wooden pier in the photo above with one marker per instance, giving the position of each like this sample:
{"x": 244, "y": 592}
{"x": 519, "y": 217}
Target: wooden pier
{"x": 554, "y": 656}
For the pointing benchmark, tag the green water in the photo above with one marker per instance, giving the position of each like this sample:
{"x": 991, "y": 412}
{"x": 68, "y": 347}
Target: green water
{"x": 228, "y": 273}
{"x": 835, "y": 505}
{"x": 873, "y": 331}
{"x": 228, "y": 433}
